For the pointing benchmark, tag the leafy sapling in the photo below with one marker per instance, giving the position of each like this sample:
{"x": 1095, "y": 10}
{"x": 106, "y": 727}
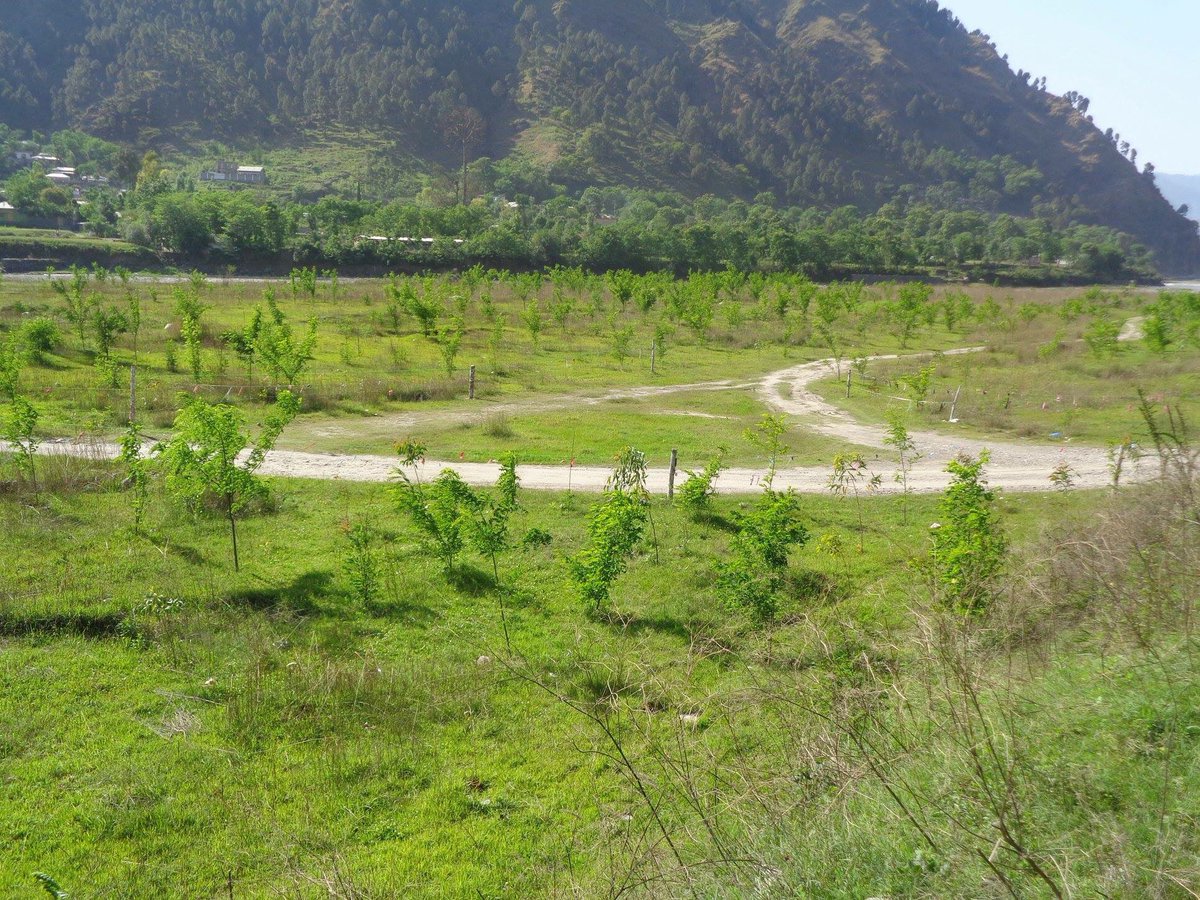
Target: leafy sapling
{"x": 202, "y": 460}
{"x": 137, "y": 476}
{"x": 768, "y": 437}
{"x": 898, "y": 438}
{"x": 616, "y": 526}
{"x": 852, "y": 477}
{"x": 20, "y": 433}
{"x": 753, "y": 579}
{"x": 695, "y": 494}
{"x": 285, "y": 355}
{"x": 969, "y": 546}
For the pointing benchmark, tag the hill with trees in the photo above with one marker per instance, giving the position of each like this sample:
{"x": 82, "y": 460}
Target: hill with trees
{"x": 822, "y": 103}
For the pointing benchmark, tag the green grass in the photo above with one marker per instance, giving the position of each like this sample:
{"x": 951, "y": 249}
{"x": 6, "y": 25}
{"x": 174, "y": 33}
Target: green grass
{"x": 16, "y": 240}
{"x": 373, "y": 371}
{"x": 1038, "y": 381}
{"x": 171, "y": 725}
{"x": 266, "y": 728}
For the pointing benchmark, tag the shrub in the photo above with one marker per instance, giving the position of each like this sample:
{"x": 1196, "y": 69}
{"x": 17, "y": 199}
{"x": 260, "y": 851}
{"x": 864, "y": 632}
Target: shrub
{"x": 38, "y": 336}
{"x": 754, "y": 577}
{"x": 695, "y": 494}
{"x": 969, "y": 547}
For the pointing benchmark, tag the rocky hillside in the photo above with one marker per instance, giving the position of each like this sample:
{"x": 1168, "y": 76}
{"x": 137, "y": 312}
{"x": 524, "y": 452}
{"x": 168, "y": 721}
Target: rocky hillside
{"x": 826, "y": 102}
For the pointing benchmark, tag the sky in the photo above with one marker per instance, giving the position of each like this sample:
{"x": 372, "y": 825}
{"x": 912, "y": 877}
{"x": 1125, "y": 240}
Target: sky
{"x": 1137, "y": 60}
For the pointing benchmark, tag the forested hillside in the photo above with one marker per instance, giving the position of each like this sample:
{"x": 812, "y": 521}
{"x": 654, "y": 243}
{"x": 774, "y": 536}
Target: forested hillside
{"x": 822, "y": 102}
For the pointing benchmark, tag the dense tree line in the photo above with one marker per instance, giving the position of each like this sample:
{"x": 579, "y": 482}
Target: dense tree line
{"x": 826, "y": 104}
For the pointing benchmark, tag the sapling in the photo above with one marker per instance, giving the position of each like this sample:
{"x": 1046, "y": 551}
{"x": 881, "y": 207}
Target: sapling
{"x": 449, "y": 342}
{"x": 76, "y": 298}
{"x": 436, "y": 511}
{"x": 531, "y": 315}
{"x": 969, "y": 547}
{"x": 616, "y": 526}
{"x": 137, "y": 476}
{"x": 695, "y": 494}
{"x": 284, "y": 355}
{"x": 244, "y": 343}
{"x": 631, "y": 476}
{"x": 851, "y": 477}
{"x": 768, "y": 437}
{"x": 202, "y": 460}
{"x": 766, "y": 535}
{"x": 20, "y": 433}
{"x": 897, "y": 437}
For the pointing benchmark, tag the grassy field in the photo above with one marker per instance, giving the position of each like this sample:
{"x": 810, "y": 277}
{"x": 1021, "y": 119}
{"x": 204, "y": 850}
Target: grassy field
{"x": 375, "y": 378}
{"x": 176, "y": 727}
{"x": 173, "y": 724}
{"x": 1042, "y": 380}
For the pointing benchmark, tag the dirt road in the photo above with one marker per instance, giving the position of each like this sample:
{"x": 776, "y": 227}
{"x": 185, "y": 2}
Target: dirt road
{"x": 1015, "y": 465}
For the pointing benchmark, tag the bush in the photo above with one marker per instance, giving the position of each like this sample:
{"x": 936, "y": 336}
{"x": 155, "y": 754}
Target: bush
{"x": 695, "y": 494}
{"x": 969, "y": 547}
{"x": 38, "y": 336}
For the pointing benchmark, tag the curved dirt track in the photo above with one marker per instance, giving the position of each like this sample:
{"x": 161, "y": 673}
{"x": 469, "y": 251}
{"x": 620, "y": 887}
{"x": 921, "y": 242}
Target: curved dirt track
{"x": 1015, "y": 465}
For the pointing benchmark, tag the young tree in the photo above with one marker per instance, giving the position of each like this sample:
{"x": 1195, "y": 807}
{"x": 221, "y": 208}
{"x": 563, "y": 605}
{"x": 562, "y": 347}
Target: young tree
{"x": 768, "y": 437}
{"x": 898, "y": 438}
{"x": 285, "y": 355}
{"x": 766, "y": 535}
{"x": 202, "y": 460}
{"x": 75, "y": 296}
{"x": 137, "y": 475}
{"x": 616, "y": 526}
{"x": 244, "y": 343}
{"x": 851, "y": 477}
{"x": 969, "y": 547}
{"x": 20, "y": 433}
{"x": 695, "y": 494}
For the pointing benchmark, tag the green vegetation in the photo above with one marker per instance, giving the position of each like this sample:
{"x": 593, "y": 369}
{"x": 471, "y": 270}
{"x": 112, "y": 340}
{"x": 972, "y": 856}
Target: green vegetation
{"x": 232, "y": 718}
{"x": 536, "y": 103}
{"x": 434, "y": 689}
{"x": 1040, "y": 375}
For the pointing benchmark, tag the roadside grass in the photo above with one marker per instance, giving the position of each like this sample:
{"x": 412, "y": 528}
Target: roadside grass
{"x": 1040, "y": 381}
{"x": 175, "y": 724}
{"x": 371, "y": 360}
{"x": 697, "y": 424}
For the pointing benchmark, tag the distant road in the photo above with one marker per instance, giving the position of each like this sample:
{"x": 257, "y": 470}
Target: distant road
{"x": 1014, "y": 466}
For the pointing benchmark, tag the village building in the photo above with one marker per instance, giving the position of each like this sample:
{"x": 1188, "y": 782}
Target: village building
{"x": 227, "y": 171}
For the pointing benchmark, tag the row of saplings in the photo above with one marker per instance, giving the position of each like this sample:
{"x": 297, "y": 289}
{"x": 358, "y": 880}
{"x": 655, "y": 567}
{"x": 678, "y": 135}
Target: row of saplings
{"x": 212, "y": 463}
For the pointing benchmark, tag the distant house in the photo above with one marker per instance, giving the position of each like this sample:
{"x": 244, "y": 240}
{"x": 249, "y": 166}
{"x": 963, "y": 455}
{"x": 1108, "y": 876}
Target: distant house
{"x": 61, "y": 179}
{"x": 23, "y": 156}
{"x": 8, "y": 213}
{"x": 46, "y": 162}
{"x": 227, "y": 171}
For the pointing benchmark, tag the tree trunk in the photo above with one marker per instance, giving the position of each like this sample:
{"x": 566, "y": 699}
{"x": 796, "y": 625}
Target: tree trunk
{"x": 233, "y": 533}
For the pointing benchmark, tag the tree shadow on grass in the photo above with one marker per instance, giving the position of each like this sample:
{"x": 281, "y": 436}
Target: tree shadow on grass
{"x": 416, "y": 615}
{"x": 88, "y": 625}
{"x": 471, "y": 580}
{"x": 299, "y": 596}
{"x": 717, "y": 522}
{"x": 635, "y": 624}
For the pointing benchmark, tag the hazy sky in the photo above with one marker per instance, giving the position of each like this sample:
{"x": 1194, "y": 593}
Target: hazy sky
{"x": 1137, "y": 60}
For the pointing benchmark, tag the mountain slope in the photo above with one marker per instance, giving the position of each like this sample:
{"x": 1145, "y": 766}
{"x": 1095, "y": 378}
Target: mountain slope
{"x": 1182, "y": 190}
{"x": 826, "y": 102}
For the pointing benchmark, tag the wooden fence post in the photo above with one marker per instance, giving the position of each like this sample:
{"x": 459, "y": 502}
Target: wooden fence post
{"x": 471, "y": 384}
{"x": 671, "y": 475}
